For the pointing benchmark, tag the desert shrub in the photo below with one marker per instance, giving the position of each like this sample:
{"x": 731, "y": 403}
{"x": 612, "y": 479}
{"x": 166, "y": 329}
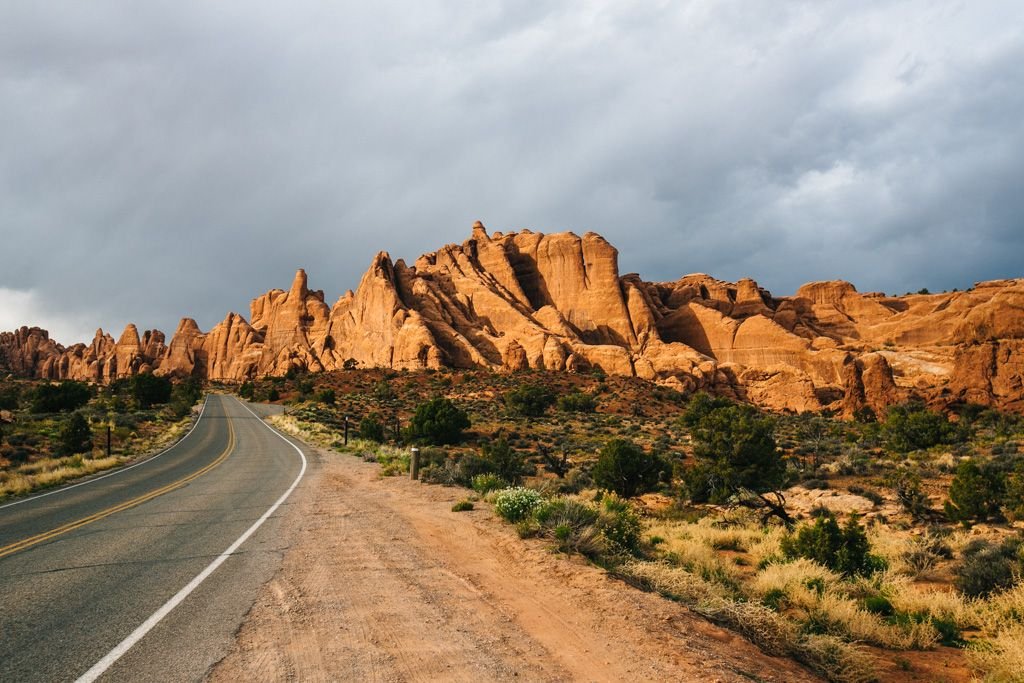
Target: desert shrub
{"x": 150, "y": 390}
{"x": 462, "y": 506}
{"x": 987, "y": 568}
{"x": 577, "y": 402}
{"x": 438, "y": 422}
{"x": 700, "y": 406}
{"x": 624, "y": 468}
{"x": 516, "y": 504}
{"x": 184, "y": 395}
{"x": 247, "y": 390}
{"x": 371, "y": 428}
{"x": 976, "y": 492}
{"x": 564, "y": 510}
{"x": 63, "y": 397}
{"x": 912, "y": 426}
{"x": 273, "y": 394}
{"x": 327, "y": 397}
{"x": 1013, "y": 494}
{"x": 305, "y": 387}
{"x": 529, "y": 400}
{"x": 76, "y": 435}
{"x": 503, "y": 460}
{"x": 471, "y": 465}
{"x": 10, "y": 397}
{"x": 558, "y": 465}
{"x": 446, "y": 473}
{"x": 907, "y": 487}
{"x": 865, "y": 415}
{"x": 620, "y": 525}
{"x": 382, "y": 391}
{"x": 736, "y": 453}
{"x": 842, "y": 549}
{"x": 485, "y": 483}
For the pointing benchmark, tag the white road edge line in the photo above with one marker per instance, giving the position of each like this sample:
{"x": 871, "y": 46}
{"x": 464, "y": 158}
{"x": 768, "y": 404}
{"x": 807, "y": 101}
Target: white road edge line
{"x": 101, "y": 666}
{"x": 117, "y": 471}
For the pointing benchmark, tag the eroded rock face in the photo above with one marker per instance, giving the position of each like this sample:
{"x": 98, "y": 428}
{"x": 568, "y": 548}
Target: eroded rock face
{"x": 526, "y": 300}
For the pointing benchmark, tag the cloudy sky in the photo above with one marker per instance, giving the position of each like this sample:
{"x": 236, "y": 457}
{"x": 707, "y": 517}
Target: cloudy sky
{"x": 174, "y": 158}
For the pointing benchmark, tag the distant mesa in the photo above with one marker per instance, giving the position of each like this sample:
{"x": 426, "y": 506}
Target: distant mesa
{"x": 525, "y": 300}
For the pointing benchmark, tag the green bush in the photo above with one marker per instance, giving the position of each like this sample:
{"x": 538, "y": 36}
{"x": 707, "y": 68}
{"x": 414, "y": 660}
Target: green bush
{"x": 247, "y": 390}
{"x": 976, "y": 493}
{"x": 503, "y": 460}
{"x": 273, "y": 395}
{"x": 150, "y": 390}
{"x": 462, "y": 506}
{"x": 184, "y": 395}
{"x": 624, "y": 468}
{"x": 75, "y": 435}
{"x": 912, "y": 426}
{"x": 573, "y": 526}
{"x": 530, "y": 400}
{"x": 620, "y": 525}
{"x": 10, "y": 397}
{"x": 735, "y": 451}
{"x": 516, "y": 504}
{"x": 438, "y": 422}
{"x": 327, "y": 397}
{"x": 700, "y": 406}
{"x": 577, "y": 402}
{"x": 987, "y": 568}
{"x": 1013, "y": 496}
{"x": 63, "y": 397}
{"x": 371, "y": 428}
{"x": 843, "y": 549}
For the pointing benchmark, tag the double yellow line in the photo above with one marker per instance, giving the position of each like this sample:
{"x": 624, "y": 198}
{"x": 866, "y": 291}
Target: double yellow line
{"x": 95, "y": 517}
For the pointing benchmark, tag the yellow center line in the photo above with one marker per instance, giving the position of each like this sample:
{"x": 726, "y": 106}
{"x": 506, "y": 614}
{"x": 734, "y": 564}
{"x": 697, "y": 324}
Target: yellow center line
{"x": 71, "y": 526}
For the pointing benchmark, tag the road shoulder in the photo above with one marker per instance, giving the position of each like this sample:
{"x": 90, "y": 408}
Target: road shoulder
{"x": 384, "y": 582}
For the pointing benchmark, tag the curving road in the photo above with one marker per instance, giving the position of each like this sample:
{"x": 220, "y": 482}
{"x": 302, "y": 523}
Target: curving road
{"x": 146, "y": 573}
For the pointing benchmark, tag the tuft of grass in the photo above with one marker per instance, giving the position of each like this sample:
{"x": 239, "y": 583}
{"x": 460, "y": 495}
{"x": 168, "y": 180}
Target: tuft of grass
{"x": 462, "y": 506}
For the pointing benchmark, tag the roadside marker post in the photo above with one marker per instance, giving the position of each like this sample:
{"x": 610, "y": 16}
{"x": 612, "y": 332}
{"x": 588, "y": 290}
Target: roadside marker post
{"x": 346, "y": 430}
{"x": 414, "y": 464}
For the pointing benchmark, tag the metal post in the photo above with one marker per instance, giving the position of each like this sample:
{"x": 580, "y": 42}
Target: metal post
{"x": 414, "y": 464}
{"x": 346, "y": 430}
{"x": 108, "y": 439}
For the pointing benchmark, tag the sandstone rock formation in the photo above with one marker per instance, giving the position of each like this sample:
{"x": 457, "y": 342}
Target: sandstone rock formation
{"x": 526, "y": 300}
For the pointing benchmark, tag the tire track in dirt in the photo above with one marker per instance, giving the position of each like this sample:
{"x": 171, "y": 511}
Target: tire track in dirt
{"x": 384, "y": 583}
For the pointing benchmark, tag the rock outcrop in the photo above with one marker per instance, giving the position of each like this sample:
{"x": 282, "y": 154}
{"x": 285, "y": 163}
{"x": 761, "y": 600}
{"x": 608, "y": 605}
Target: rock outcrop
{"x": 526, "y": 300}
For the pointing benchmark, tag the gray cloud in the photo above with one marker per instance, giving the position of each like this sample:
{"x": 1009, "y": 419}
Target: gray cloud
{"x": 173, "y": 159}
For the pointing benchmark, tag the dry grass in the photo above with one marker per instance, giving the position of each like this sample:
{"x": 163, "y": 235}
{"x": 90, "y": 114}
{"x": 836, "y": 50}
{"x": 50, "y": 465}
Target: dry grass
{"x": 311, "y": 432}
{"x": 798, "y": 579}
{"x": 46, "y": 473}
{"x": 1002, "y": 609}
{"x": 1000, "y": 658}
{"x": 50, "y": 472}
{"x": 908, "y": 597}
{"x": 851, "y": 620}
{"x": 772, "y": 632}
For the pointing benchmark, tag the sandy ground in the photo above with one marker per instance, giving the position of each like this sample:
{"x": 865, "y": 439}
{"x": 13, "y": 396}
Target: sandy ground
{"x": 383, "y": 582}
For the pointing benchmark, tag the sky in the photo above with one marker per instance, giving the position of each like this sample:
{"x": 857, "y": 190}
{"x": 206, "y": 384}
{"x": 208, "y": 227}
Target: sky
{"x": 164, "y": 159}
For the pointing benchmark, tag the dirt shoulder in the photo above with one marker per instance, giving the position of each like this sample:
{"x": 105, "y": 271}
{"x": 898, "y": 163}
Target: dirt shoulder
{"x": 383, "y": 582}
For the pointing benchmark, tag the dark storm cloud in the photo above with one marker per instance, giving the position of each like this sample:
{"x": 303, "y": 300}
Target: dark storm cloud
{"x": 163, "y": 159}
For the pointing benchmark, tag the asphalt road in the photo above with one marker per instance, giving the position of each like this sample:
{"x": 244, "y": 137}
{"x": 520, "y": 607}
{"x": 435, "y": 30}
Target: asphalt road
{"x": 83, "y": 568}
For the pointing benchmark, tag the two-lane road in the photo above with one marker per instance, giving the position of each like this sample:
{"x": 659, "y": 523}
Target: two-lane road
{"x": 144, "y": 574}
